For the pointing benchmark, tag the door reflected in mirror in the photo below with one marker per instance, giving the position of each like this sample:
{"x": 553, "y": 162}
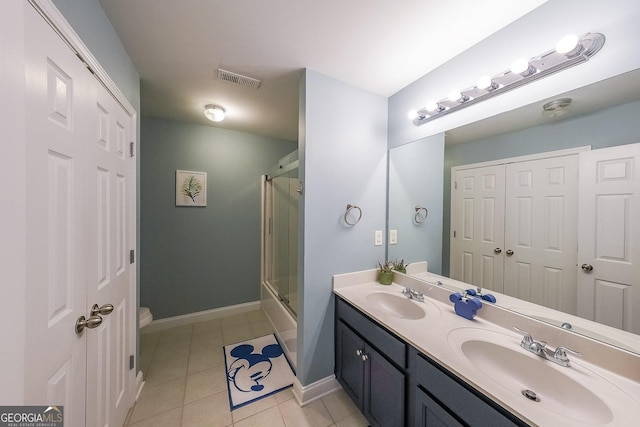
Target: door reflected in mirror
{"x": 601, "y": 116}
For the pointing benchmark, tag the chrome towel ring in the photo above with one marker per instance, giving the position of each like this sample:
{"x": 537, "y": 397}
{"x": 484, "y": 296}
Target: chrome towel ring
{"x": 351, "y": 207}
{"x": 421, "y": 214}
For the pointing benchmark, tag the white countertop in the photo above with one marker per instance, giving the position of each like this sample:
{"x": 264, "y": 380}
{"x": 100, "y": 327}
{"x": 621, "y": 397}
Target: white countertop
{"x": 434, "y": 336}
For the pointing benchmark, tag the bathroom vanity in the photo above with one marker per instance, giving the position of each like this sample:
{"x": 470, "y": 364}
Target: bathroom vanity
{"x": 406, "y": 362}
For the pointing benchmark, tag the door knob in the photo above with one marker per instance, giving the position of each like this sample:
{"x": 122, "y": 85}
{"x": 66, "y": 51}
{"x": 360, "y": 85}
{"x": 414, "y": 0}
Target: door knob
{"x": 91, "y": 322}
{"x": 104, "y": 310}
{"x": 587, "y": 267}
{"x": 509, "y": 252}
{"x": 497, "y": 250}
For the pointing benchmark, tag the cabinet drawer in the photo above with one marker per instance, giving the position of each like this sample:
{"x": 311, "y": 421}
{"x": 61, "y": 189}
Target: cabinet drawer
{"x": 385, "y": 342}
{"x": 465, "y": 404}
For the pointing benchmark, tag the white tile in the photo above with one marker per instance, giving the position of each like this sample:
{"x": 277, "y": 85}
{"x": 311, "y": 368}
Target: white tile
{"x": 253, "y": 408}
{"x": 205, "y": 383}
{"x": 355, "y": 420}
{"x": 312, "y": 415}
{"x": 268, "y": 418}
{"x": 283, "y": 396}
{"x": 211, "y": 411}
{"x": 339, "y": 405}
{"x": 206, "y": 359}
{"x": 165, "y": 371}
{"x": 155, "y": 400}
{"x": 208, "y": 327}
{"x": 167, "y": 419}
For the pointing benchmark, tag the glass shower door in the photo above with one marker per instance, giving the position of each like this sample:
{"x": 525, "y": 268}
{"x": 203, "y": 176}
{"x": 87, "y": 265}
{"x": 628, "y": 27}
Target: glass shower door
{"x": 281, "y": 241}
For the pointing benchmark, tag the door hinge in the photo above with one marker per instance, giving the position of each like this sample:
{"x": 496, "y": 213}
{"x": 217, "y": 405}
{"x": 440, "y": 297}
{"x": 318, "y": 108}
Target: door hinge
{"x": 454, "y": 234}
{"x": 132, "y": 361}
{"x": 132, "y": 147}
{"x": 132, "y": 256}
{"x": 455, "y": 185}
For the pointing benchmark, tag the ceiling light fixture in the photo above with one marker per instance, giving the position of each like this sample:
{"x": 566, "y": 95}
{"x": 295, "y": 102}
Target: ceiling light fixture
{"x": 569, "y": 51}
{"x": 215, "y": 113}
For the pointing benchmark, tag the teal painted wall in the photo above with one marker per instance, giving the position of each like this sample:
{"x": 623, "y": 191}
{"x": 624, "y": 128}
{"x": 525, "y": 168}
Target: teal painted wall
{"x": 200, "y": 258}
{"x": 415, "y": 178}
{"x": 343, "y": 157}
{"x": 614, "y": 126}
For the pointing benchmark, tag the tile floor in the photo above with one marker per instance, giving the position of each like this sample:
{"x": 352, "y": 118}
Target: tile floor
{"x": 186, "y": 383}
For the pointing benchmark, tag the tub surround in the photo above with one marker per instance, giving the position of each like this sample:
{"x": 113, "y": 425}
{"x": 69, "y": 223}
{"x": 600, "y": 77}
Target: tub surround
{"x": 612, "y": 374}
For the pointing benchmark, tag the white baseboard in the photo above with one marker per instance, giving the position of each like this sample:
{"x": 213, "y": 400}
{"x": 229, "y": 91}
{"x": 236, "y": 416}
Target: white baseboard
{"x": 307, "y": 394}
{"x": 201, "y": 316}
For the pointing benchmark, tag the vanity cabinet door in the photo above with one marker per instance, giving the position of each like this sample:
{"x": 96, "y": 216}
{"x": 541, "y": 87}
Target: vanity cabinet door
{"x": 384, "y": 391}
{"x": 454, "y": 397}
{"x": 429, "y": 414}
{"x": 350, "y": 368}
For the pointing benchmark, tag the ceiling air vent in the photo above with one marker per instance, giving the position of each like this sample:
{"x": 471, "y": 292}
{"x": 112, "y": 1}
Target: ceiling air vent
{"x": 238, "y": 79}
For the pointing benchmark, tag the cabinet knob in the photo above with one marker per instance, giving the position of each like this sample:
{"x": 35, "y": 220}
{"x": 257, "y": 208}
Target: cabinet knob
{"x": 509, "y": 252}
{"x": 364, "y": 357}
{"x": 497, "y": 250}
{"x": 359, "y": 352}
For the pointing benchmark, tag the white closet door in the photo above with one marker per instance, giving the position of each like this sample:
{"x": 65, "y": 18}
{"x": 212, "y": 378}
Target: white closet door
{"x": 80, "y": 184}
{"x": 609, "y": 240}
{"x": 479, "y": 227}
{"x": 541, "y": 231}
{"x": 58, "y": 102}
{"x": 111, "y": 182}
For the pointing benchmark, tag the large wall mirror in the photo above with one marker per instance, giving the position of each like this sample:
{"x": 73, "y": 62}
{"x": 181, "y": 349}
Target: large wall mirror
{"x": 602, "y": 115}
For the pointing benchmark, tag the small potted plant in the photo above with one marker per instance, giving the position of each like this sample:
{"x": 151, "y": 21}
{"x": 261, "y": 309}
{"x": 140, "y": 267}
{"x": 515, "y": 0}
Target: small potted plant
{"x": 400, "y": 266}
{"x": 385, "y": 273}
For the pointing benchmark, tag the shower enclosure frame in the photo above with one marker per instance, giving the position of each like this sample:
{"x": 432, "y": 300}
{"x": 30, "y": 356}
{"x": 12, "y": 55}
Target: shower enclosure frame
{"x": 281, "y": 190}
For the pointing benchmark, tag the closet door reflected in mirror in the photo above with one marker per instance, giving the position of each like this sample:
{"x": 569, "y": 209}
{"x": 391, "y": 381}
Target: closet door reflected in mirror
{"x": 515, "y": 230}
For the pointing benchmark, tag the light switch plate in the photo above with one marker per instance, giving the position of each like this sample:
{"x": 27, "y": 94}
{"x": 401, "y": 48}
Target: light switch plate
{"x": 393, "y": 237}
{"x": 378, "y": 239}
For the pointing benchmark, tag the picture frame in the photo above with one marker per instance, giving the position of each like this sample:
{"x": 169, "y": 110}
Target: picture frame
{"x": 191, "y": 188}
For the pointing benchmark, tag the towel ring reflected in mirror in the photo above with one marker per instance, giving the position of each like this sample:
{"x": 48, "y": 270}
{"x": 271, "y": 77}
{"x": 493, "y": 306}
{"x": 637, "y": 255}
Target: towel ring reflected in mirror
{"x": 421, "y": 214}
{"x": 350, "y": 208}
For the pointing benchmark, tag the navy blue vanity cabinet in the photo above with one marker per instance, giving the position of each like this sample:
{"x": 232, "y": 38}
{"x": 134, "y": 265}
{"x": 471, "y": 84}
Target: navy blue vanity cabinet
{"x": 441, "y": 399}
{"x": 370, "y": 366}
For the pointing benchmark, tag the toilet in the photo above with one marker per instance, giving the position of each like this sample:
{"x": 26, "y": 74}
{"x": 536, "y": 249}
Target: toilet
{"x": 144, "y": 316}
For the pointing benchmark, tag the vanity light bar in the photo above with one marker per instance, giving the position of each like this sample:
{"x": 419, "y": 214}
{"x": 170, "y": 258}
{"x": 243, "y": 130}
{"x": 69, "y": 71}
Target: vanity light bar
{"x": 570, "y": 51}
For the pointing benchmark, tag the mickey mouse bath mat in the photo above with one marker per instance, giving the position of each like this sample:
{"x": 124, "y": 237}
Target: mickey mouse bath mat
{"x": 255, "y": 369}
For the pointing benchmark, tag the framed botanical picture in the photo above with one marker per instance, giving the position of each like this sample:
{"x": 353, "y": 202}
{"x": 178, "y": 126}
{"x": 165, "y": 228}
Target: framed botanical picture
{"x": 191, "y": 188}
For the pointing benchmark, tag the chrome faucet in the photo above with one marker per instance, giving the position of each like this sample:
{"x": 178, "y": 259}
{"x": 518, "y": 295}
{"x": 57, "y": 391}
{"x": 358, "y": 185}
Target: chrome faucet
{"x": 411, "y": 294}
{"x": 539, "y": 348}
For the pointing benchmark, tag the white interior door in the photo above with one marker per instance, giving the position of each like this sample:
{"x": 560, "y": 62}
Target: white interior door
{"x": 58, "y": 108}
{"x": 478, "y": 226}
{"x": 110, "y": 181}
{"x": 79, "y": 208}
{"x": 609, "y": 240}
{"x": 541, "y": 231}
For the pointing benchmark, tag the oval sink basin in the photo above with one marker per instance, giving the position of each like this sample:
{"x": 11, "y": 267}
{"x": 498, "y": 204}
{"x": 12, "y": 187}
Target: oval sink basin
{"x": 396, "y": 305}
{"x": 532, "y": 378}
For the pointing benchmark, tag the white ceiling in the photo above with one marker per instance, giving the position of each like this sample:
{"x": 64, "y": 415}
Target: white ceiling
{"x": 377, "y": 45}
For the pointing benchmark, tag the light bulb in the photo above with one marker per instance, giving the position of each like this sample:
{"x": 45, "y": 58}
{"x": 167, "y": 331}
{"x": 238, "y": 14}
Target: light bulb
{"x": 432, "y": 106}
{"x": 412, "y": 114}
{"x": 484, "y": 83}
{"x": 454, "y": 95}
{"x": 520, "y": 66}
{"x": 567, "y": 44}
